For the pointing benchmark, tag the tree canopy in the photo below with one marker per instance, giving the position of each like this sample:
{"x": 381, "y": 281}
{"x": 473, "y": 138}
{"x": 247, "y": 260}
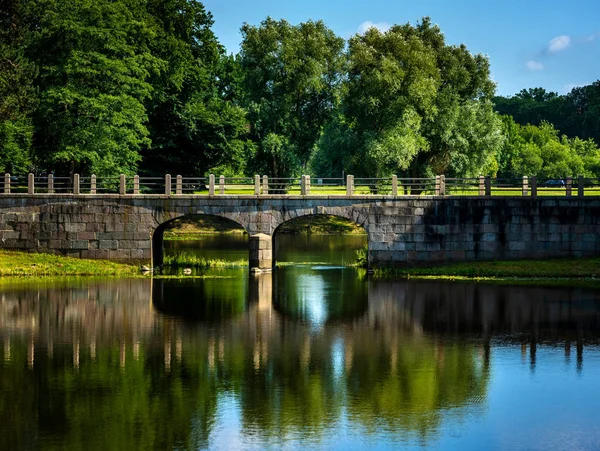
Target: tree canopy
{"x": 144, "y": 86}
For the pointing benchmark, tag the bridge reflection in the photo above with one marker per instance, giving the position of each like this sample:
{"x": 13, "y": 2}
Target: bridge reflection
{"x": 391, "y": 355}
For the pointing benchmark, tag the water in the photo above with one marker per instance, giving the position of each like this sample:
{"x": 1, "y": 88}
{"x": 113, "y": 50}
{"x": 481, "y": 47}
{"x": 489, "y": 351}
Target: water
{"x": 312, "y": 356}
{"x": 288, "y": 248}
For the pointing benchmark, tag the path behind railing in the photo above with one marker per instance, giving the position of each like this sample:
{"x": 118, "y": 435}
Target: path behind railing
{"x": 303, "y": 186}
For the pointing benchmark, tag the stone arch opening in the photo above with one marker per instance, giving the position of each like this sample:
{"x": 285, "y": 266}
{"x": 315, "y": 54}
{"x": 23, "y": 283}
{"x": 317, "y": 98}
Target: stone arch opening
{"x": 319, "y": 234}
{"x": 217, "y": 222}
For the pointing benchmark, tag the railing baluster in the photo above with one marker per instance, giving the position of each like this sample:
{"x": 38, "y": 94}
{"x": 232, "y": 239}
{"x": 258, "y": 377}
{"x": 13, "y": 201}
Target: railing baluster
{"x": 569, "y": 187}
{"x": 257, "y": 185}
{"x": 178, "y": 185}
{"x": 168, "y": 187}
{"x": 50, "y": 183}
{"x": 76, "y": 184}
{"x": 580, "y": 188}
{"x": 122, "y": 185}
{"x": 30, "y": 184}
{"x": 211, "y": 185}
{"x": 525, "y": 186}
{"x": 221, "y": 184}
{"x": 7, "y": 183}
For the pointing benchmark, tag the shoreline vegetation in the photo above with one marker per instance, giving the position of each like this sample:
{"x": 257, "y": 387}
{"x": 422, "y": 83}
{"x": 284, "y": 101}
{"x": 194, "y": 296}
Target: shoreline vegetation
{"x": 18, "y": 264}
{"x": 195, "y": 227}
{"x": 26, "y": 264}
{"x": 559, "y": 268}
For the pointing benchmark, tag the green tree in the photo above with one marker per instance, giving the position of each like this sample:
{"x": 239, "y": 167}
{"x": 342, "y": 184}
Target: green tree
{"x": 195, "y": 123}
{"x": 416, "y": 106}
{"x": 94, "y": 69}
{"x": 540, "y": 151}
{"x": 291, "y": 79}
{"x": 17, "y": 96}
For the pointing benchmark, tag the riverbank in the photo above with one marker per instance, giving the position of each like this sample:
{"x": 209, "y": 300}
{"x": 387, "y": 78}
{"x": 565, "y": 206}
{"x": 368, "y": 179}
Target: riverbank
{"x": 24, "y": 264}
{"x": 195, "y": 227}
{"x": 563, "y": 268}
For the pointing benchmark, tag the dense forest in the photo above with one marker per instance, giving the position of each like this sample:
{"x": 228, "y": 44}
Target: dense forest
{"x": 144, "y": 86}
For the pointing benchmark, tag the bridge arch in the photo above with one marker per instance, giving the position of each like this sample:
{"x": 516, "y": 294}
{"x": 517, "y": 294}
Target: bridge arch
{"x": 158, "y": 233}
{"x": 347, "y": 217}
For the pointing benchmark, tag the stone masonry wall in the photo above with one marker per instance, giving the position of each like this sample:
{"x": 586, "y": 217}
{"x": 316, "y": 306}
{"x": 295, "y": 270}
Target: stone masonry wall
{"x": 401, "y": 231}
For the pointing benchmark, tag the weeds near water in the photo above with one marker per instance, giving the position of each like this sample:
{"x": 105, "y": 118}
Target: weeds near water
{"x": 24, "y": 264}
{"x": 186, "y": 260}
{"x": 362, "y": 257}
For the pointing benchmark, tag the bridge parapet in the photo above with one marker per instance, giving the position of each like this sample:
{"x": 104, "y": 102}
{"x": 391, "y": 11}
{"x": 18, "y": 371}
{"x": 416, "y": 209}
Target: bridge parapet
{"x": 304, "y": 185}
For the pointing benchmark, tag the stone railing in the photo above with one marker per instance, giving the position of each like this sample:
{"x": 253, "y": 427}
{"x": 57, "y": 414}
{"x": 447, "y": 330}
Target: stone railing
{"x": 303, "y": 186}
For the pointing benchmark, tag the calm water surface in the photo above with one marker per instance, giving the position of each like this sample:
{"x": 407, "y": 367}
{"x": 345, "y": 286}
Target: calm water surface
{"x": 312, "y": 356}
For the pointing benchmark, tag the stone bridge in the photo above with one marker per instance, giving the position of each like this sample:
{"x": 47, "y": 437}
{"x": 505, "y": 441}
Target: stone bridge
{"x": 402, "y": 230}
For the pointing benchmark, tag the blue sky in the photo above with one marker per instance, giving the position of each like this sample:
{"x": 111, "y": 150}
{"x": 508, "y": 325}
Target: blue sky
{"x": 554, "y": 44}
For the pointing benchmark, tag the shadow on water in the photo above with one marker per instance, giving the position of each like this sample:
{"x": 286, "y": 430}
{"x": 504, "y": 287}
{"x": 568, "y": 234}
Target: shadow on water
{"x": 206, "y": 299}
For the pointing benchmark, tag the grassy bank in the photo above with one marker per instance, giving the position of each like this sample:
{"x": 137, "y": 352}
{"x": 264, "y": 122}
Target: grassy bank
{"x": 186, "y": 260}
{"x": 531, "y": 269}
{"x": 193, "y": 227}
{"x": 321, "y": 225}
{"x": 23, "y": 264}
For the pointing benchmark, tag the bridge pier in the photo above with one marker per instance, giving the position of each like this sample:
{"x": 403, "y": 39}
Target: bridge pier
{"x": 261, "y": 252}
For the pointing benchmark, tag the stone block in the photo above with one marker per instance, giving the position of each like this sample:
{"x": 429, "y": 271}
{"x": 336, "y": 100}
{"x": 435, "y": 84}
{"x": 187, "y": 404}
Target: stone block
{"x": 119, "y": 254}
{"x": 108, "y": 244}
{"x": 94, "y": 227}
{"x": 9, "y": 235}
{"x": 54, "y": 244}
{"x": 75, "y": 227}
{"x": 516, "y": 246}
{"x": 79, "y": 244}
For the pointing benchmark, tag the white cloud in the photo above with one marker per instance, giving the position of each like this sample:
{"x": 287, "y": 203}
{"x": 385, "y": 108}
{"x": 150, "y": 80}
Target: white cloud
{"x": 534, "y": 65}
{"x": 559, "y": 43}
{"x": 569, "y": 87}
{"x": 381, "y": 26}
{"x": 592, "y": 37}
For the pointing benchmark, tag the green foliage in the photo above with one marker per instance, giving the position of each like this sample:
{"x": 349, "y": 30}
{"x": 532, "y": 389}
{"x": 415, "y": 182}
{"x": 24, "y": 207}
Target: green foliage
{"x": 17, "y": 97}
{"x": 413, "y": 105}
{"x": 94, "y": 69}
{"x": 185, "y": 259}
{"x": 105, "y": 87}
{"x": 539, "y": 151}
{"x": 576, "y": 114}
{"x": 195, "y": 122}
{"x": 291, "y": 80}
{"x": 362, "y": 257}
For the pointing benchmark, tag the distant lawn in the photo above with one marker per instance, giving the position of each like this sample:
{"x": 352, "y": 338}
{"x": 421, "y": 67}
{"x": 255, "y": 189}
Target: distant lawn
{"x": 24, "y": 264}
{"x": 321, "y": 225}
{"x": 547, "y": 268}
{"x": 194, "y": 226}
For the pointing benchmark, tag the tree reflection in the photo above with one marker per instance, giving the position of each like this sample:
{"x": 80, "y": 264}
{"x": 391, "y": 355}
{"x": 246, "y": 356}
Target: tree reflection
{"x": 99, "y": 367}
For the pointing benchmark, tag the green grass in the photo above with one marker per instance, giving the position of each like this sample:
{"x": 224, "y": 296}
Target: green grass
{"x": 321, "y": 225}
{"x": 365, "y": 190}
{"x": 531, "y": 269}
{"x": 194, "y": 226}
{"x": 186, "y": 260}
{"x": 23, "y": 264}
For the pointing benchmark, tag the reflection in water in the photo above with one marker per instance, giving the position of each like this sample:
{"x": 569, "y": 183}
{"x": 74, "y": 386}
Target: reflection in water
{"x": 251, "y": 362}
